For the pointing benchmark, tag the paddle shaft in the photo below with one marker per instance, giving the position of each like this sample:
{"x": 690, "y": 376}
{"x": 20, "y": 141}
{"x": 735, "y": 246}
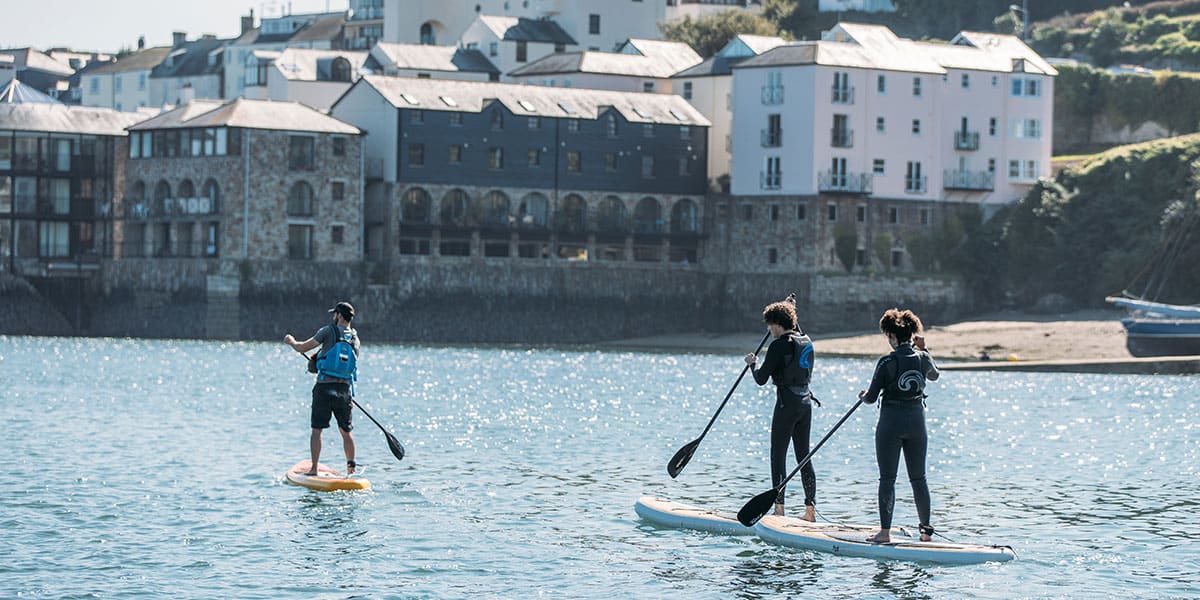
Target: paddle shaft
{"x": 731, "y": 390}
{"x": 393, "y": 444}
{"x": 806, "y": 459}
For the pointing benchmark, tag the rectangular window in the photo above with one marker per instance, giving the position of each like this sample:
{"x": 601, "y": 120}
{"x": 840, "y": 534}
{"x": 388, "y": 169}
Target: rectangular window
{"x": 493, "y": 48}
{"x": 966, "y": 81}
{"x": 24, "y": 195}
{"x": 497, "y": 120}
{"x": 774, "y": 212}
{"x": 685, "y": 166}
{"x": 573, "y": 162}
{"x": 1033, "y": 87}
{"x": 339, "y": 146}
{"x": 594, "y": 24}
{"x": 495, "y": 158}
{"x": 455, "y": 156}
{"x": 648, "y": 87}
{"x": 894, "y": 215}
{"x": 773, "y": 178}
{"x": 772, "y": 255}
{"x": 416, "y": 117}
{"x": 992, "y": 126}
{"x": 1018, "y": 86}
{"x": 338, "y": 234}
{"x": 222, "y": 141}
{"x": 914, "y": 181}
{"x": 880, "y": 125}
{"x": 300, "y": 152}
{"x": 454, "y": 119}
{"x": 801, "y": 212}
{"x": 534, "y": 157}
{"x": 1031, "y": 169}
{"x": 881, "y": 84}
{"x": 916, "y": 127}
{"x": 573, "y": 125}
{"x": 687, "y": 90}
{"x": 860, "y": 213}
{"x": 877, "y": 166}
{"x": 610, "y": 161}
{"x": 685, "y": 132}
{"x": 337, "y": 190}
{"x": 647, "y": 167}
{"x": 117, "y": 83}
{"x": 992, "y": 166}
{"x": 300, "y": 242}
{"x": 5, "y": 194}
{"x": 6, "y": 140}
{"x": 917, "y": 87}
{"x": 416, "y": 155}
{"x": 522, "y": 51}
{"x": 648, "y": 130}
{"x": 534, "y": 123}
{"x": 94, "y": 85}
{"x": 831, "y": 212}
{"x": 1014, "y": 169}
{"x": 924, "y": 215}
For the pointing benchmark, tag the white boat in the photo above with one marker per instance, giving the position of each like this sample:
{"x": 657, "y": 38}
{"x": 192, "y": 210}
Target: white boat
{"x": 1155, "y": 309}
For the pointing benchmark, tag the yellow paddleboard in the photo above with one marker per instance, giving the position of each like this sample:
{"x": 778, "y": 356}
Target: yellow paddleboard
{"x": 326, "y": 479}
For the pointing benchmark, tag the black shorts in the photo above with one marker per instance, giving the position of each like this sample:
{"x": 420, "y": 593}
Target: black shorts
{"x": 331, "y": 399}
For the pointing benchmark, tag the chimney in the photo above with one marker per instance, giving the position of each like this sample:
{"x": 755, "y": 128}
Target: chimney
{"x": 248, "y": 22}
{"x": 141, "y": 42}
{"x": 178, "y": 39}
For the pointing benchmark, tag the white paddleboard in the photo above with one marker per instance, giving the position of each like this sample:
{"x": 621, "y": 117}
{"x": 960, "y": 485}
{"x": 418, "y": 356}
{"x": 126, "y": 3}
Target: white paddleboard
{"x": 666, "y": 513}
{"x": 850, "y": 540}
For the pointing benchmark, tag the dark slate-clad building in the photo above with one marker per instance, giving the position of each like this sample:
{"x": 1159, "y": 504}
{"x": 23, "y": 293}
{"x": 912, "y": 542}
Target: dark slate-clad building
{"x": 59, "y": 170}
{"x": 498, "y": 170}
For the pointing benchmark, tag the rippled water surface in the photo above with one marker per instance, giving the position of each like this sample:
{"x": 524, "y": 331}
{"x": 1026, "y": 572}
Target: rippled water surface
{"x": 155, "y": 468}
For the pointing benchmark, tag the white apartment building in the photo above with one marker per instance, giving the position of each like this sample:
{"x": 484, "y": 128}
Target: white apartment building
{"x": 314, "y": 78}
{"x": 709, "y": 87}
{"x": 314, "y": 31}
{"x": 866, "y": 113}
{"x": 594, "y": 24}
{"x": 123, "y": 85}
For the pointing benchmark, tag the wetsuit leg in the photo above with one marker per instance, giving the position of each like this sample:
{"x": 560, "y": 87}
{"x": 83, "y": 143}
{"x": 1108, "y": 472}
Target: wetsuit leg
{"x": 800, "y": 434}
{"x": 783, "y": 423}
{"x": 915, "y": 443}
{"x": 887, "y": 454}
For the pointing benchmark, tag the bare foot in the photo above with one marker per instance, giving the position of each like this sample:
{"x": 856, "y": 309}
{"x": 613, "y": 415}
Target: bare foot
{"x": 810, "y": 514}
{"x": 779, "y": 510}
{"x": 310, "y": 473}
{"x": 882, "y": 537}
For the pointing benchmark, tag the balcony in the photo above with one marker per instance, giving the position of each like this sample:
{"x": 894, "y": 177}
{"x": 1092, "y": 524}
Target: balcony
{"x": 770, "y": 180}
{"x": 843, "y": 95}
{"x": 915, "y": 185}
{"x": 966, "y": 140}
{"x": 772, "y": 94}
{"x": 771, "y": 138}
{"x": 841, "y": 137}
{"x": 367, "y": 13}
{"x": 844, "y": 183}
{"x": 954, "y": 179}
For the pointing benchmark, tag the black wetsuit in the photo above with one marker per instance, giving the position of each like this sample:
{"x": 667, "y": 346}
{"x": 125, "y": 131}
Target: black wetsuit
{"x": 900, "y": 377}
{"x": 789, "y": 363}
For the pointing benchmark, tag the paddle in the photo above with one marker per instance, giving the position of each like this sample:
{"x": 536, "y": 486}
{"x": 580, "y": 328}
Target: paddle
{"x": 392, "y": 442}
{"x": 759, "y": 505}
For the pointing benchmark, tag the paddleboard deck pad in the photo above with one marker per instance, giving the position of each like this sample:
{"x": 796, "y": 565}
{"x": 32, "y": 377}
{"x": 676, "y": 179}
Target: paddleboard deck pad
{"x": 326, "y": 479}
{"x": 666, "y": 513}
{"x": 851, "y": 540}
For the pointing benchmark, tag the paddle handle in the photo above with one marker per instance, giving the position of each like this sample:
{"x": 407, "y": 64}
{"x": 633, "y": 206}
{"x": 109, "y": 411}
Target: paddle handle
{"x": 806, "y": 459}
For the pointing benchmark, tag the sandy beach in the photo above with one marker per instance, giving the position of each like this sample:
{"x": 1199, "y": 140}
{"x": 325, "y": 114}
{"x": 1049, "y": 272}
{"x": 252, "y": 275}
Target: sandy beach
{"x": 1012, "y": 336}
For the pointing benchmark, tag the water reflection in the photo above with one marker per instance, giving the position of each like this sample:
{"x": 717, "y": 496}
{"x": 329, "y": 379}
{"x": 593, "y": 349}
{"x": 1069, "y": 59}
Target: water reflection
{"x": 903, "y": 580}
{"x": 776, "y": 575}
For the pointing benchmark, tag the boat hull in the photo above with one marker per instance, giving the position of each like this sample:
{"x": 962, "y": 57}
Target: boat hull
{"x": 1162, "y": 337}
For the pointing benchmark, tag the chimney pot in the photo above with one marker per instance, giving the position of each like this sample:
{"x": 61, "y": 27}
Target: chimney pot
{"x": 178, "y": 38}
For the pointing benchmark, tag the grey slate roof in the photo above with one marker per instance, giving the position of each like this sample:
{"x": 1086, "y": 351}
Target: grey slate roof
{"x": 32, "y": 58}
{"x": 660, "y": 59}
{"x": 250, "y": 114}
{"x": 532, "y": 100}
{"x": 529, "y": 30}
{"x": 322, "y": 28}
{"x": 60, "y": 118}
{"x": 423, "y": 57}
{"x": 142, "y": 60}
{"x": 191, "y": 59}
{"x": 302, "y": 64}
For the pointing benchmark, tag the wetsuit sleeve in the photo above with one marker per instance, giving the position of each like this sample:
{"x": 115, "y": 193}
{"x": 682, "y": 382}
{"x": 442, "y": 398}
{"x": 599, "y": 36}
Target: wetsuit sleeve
{"x": 770, "y": 363}
{"x": 877, "y": 381}
{"x": 931, "y": 371}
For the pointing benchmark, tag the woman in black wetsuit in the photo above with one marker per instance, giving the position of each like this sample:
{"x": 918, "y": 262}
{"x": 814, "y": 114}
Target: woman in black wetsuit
{"x": 789, "y": 362}
{"x": 900, "y": 377}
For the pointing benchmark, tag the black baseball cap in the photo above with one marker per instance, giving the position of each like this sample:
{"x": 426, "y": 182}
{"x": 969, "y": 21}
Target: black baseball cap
{"x": 344, "y": 309}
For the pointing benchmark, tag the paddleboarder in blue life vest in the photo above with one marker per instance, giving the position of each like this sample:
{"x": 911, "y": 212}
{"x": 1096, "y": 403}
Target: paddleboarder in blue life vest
{"x": 336, "y": 370}
{"x": 900, "y": 379}
{"x": 789, "y": 363}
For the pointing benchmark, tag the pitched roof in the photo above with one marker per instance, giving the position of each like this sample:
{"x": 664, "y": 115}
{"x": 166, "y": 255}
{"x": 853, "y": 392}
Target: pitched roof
{"x": 528, "y": 30}
{"x": 250, "y": 114}
{"x": 60, "y": 118}
{"x": 322, "y": 27}
{"x": 675, "y": 55}
{"x": 423, "y": 57}
{"x": 31, "y": 58}
{"x": 142, "y": 60}
{"x": 637, "y": 58}
{"x": 532, "y": 100}
{"x": 738, "y": 49}
{"x": 190, "y": 59}
{"x": 302, "y": 64}
{"x": 15, "y": 92}
{"x": 1006, "y": 47}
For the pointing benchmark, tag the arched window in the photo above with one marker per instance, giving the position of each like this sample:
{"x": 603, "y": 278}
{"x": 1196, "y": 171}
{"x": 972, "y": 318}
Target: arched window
{"x": 212, "y": 192}
{"x": 339, "y": 70}
{"x": 684, "y": 217}
{"x": 610, "y": 215}
{"x": 533, "y": 211}
{"x": 647, "y": 217}
{"x": 493, "y": 209}
{"x": 186, "y": 189}
{"x": 455, "y": 206}
{"x": 572, "y": 214}
{"x": 162, "y": 197}
{"x": 428, "y": 35}
{"x": 300, "y": 200}
{"x": 414, "y": 206}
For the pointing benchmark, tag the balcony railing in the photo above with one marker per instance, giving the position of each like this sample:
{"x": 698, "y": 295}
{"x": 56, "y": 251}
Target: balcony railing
{"x": 915, "y": 185}
{"x": 770, "y": 180}
{"x": 843, "y": 95}
{"x": 845, "y": 183}
{"x": 772, "y": 94}
{"x": 771, "y": 138}
{"x": 954, "y": 179}
{"x": 966, "y": 140}
{"x": 367, "y": 13}
{"x": 842, "y": 137}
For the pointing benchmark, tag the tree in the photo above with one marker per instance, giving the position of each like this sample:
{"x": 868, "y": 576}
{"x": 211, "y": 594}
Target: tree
{"x": 883, "y": 249}
{"x": 845, "y": 243}
{"x": 707, "y": 35}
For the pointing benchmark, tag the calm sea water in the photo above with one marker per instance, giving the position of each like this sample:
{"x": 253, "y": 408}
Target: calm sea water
{"x": 155, "y": 469}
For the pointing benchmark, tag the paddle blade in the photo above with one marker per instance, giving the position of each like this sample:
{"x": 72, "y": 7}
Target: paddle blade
{"x": 757, "y": 507}
{"x": 681, "y": 458}
{"x": 394, "y": 446}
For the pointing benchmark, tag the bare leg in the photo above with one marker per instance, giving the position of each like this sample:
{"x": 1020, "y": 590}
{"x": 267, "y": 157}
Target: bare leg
{"x": 314, "y": 449}
{"x": 810, "y": 513}
{"x": 778, "y": 509}
{"x": 348, "y": 446}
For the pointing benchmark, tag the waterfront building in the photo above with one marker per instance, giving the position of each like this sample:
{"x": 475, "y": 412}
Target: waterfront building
{"x": 59, "y": 175}
{"x": 594, "y": 25}
{"x": 639, "y": 66}
{"x": 431, "y": 62}
{"x": 882, "y": 133}
{"x": 510, "y": 42}
{"x": 493, "y": 170}
{"x": 242, "y": 179}
{"x": 708, "y": 86}
{"x": 314, "y": 31}
{"x": 314, "y": 78}
{"x": 123, "y": 84}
